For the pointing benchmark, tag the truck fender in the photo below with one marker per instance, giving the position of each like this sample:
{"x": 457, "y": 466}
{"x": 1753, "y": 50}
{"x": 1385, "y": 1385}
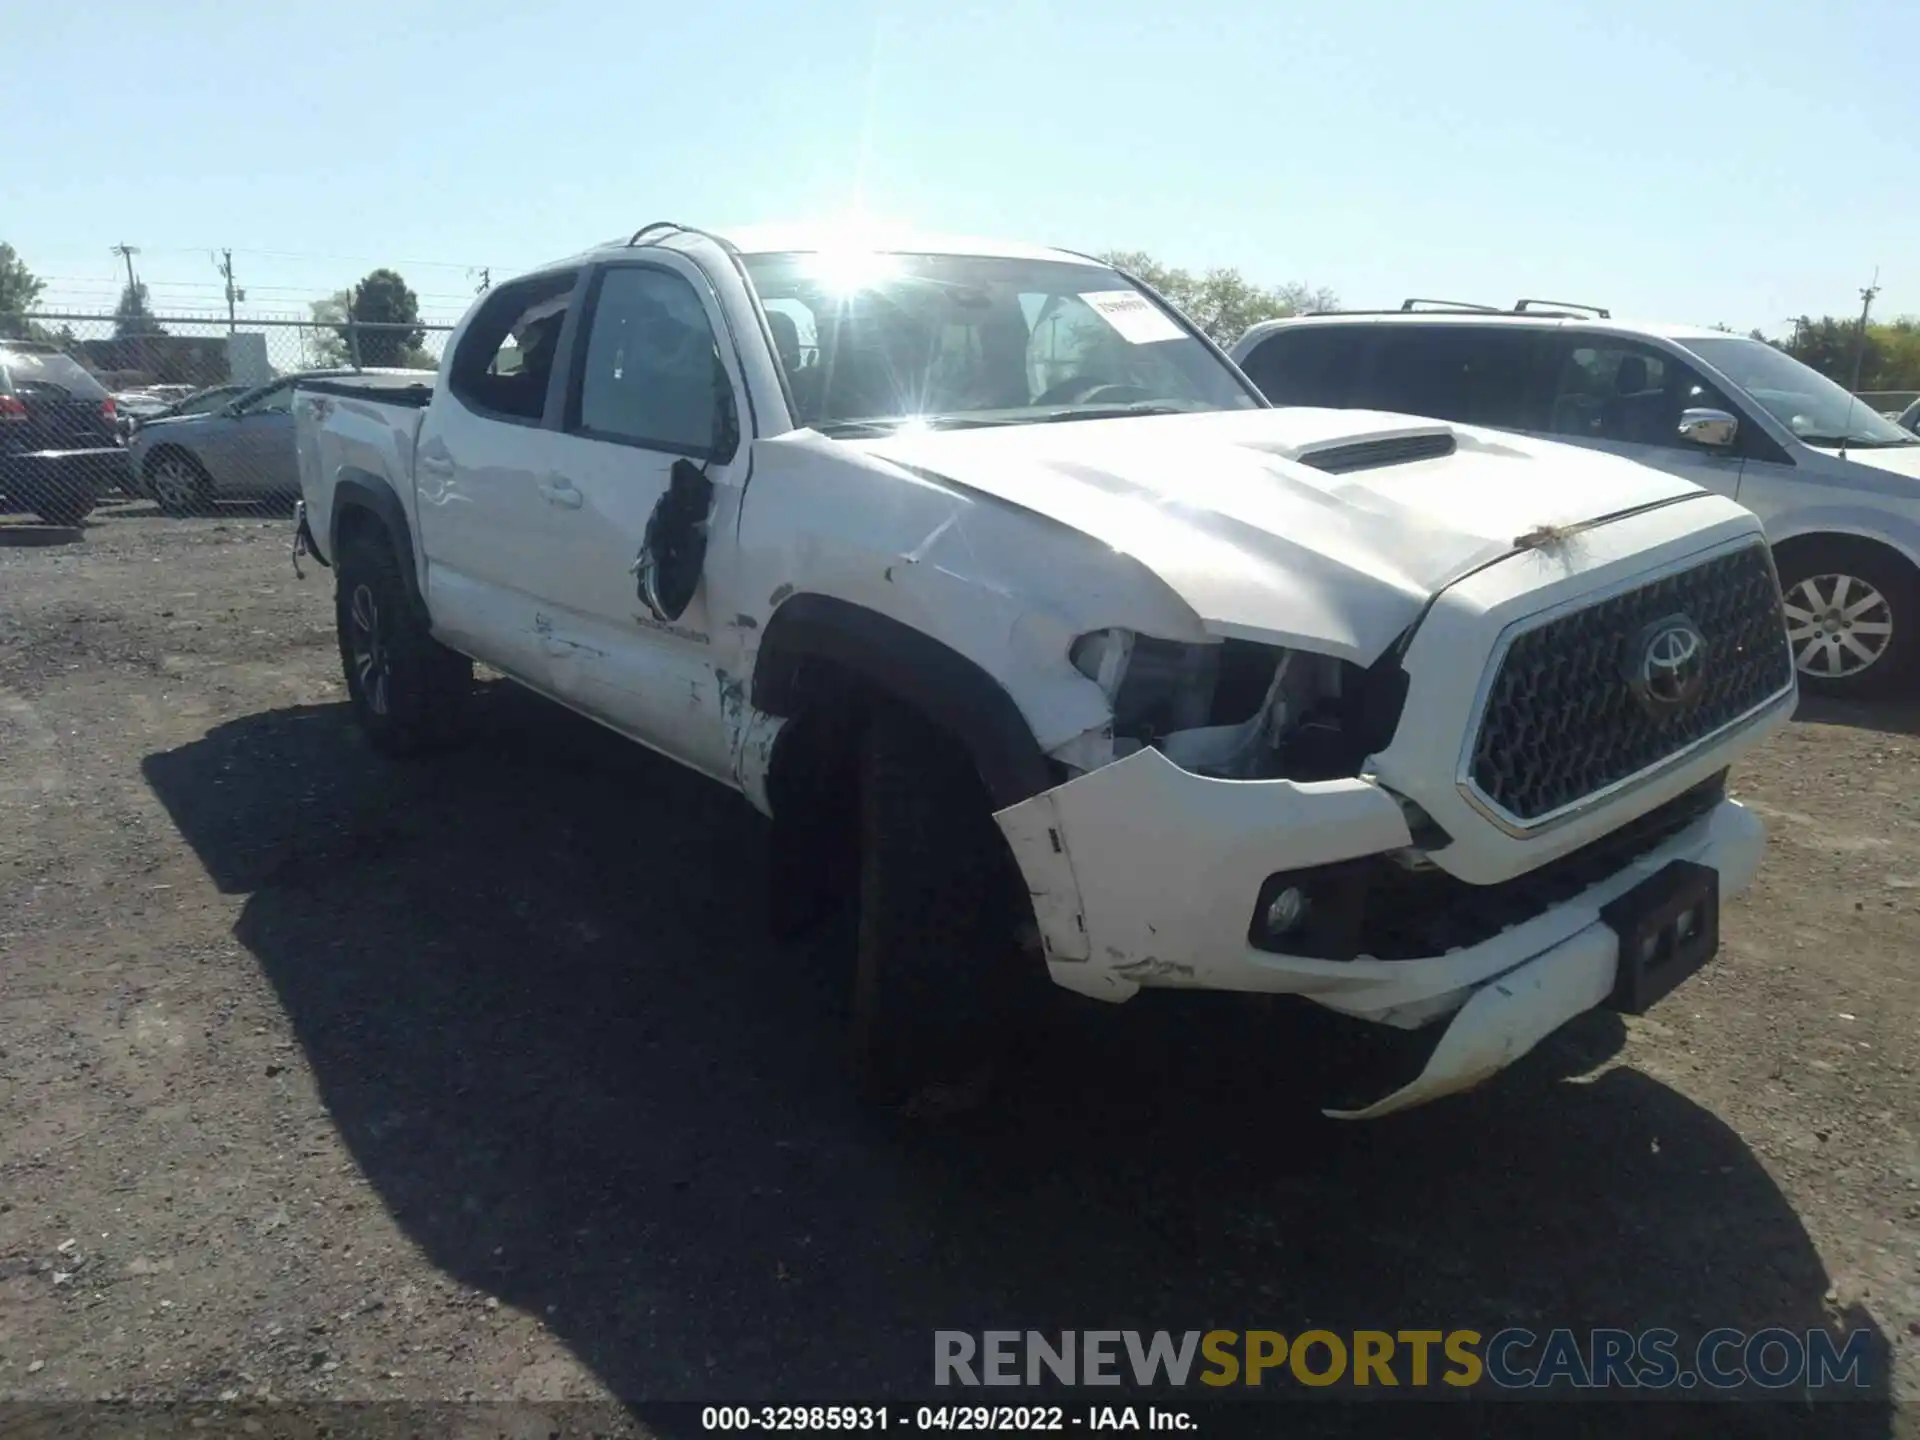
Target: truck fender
{"x": 360, "y": 490}
{"x": 897, "y": 660}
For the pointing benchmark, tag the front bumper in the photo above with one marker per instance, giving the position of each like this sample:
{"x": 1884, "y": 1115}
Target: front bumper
{"x": 1145, "y": 875}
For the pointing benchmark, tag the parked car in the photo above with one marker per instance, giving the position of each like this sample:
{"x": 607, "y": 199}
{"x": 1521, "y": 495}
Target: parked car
{"x": 237, "y": 446}
{"x": 979, "y": 570}
{"x": 195, "y": 402}
{"x": 59, "y": 450}
{"x": 1836, "y": 485}
{"x": 1909, "y": 418}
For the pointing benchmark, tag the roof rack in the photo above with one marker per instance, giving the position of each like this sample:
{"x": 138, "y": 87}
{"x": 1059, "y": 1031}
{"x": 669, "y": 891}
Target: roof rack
{"x": 1561, "y": 307}
{"x": 675, "y": 227}
{"x": 1539, "y": 309}
{"x": 1414, "y": 305}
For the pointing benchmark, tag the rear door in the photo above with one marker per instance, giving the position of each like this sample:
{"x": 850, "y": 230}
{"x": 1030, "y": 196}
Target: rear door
{"x": 1621, "y": 394}
{"x": 480, "y": 479}
{"x": 1492, "y": 375}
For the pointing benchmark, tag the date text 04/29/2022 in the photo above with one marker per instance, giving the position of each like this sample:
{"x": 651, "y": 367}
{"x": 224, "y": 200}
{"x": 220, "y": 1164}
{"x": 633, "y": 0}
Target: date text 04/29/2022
{"x": 815, "y": 1419}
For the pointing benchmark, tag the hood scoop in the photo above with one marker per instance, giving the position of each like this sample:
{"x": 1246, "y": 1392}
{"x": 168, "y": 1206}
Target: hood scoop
{"x": 1378, "y": 454}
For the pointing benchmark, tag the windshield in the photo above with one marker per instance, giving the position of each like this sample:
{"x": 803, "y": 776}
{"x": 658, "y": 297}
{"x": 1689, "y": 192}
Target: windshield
{"x": 873, "y": 341}
{"x": 49, "y": 373}
{"x": 1805, "y": 401}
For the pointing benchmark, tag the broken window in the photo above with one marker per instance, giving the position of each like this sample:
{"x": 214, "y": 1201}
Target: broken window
{"x": 504, "y": 362}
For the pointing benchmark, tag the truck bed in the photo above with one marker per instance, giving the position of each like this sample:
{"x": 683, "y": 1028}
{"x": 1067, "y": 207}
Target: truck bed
{"x": 364, "y": 433}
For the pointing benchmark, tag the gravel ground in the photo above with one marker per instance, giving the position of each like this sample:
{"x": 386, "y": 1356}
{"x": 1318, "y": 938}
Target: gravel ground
{"x": 326, "y": 1078}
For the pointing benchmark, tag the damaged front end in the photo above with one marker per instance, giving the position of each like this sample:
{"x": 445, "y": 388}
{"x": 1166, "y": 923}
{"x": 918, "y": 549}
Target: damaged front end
{"x": 1222, "y": 768}
{"x": 1236, "y": 710}
{"x": 1227, "y": 832}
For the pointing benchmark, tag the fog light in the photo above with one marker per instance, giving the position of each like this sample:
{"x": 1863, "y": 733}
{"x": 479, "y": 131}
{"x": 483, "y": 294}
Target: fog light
{"x": 1286, "y": 910}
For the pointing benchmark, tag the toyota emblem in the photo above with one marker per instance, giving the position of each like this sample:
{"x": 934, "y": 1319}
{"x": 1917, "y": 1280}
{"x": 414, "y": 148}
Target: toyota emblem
{"x": 1668, "y": 665}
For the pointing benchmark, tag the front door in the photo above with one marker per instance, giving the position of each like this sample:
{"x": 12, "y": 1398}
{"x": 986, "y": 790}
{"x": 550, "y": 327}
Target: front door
{"x": 648, "y": 439}
{"x": 1625, "y": 396}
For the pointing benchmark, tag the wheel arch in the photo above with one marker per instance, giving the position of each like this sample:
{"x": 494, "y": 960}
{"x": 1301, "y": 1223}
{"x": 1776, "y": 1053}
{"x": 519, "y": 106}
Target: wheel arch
{"x": 165, "y": 449}
{"x": 1814, "y": 529}
{"x": 831, "y": 658}
{"x": 364, "y": 501}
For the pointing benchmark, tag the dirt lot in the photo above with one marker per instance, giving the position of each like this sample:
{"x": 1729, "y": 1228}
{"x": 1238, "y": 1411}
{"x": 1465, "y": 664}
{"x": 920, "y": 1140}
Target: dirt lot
{"x": 324, "y": 1077}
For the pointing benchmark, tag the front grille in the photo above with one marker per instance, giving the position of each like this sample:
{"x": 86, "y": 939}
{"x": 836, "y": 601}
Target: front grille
{"x": 1563, "y": 719}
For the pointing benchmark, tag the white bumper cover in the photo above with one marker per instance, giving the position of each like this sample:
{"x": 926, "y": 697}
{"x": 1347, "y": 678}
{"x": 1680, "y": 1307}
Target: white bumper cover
{"x": 1144, "y": 875}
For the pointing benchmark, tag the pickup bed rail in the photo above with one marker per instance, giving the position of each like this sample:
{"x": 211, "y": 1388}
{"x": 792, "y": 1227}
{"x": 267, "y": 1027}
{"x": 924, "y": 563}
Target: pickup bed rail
{"x": 387, "y": 389}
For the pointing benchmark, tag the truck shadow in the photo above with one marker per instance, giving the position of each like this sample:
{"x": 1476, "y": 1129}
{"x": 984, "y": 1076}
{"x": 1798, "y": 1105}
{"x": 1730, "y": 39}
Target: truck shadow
{"x": 530, "y": 981}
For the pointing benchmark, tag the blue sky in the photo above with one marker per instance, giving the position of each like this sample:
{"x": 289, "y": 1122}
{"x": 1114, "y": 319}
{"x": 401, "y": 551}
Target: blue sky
{"x": 1705, "y": 162}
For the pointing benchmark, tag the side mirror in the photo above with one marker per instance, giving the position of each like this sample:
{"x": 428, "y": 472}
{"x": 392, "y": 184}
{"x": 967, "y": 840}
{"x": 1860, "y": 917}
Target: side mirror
{"x": 1712, "y": 429}
{"x": 674, "y": 549}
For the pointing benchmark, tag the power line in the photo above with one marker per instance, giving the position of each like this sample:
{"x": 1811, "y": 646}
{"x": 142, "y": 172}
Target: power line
{"x": 317, "y": 255}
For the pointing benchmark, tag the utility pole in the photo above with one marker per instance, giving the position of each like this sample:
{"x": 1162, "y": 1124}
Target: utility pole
{"x": 486, "y": 279}
{"x": 1860, "y": 342}
{"x": 127, "y": 252}
{"x": 225, "y": 267}
{"x": 1859, "y": 354}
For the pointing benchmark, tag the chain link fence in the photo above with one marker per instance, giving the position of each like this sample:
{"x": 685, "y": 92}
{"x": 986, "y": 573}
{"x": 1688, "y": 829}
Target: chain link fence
{"x": 186, "y": 412}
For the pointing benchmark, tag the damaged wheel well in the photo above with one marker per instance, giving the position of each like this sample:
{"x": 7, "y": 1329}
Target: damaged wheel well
{"x": 814, "y": 791}
{"x": 822, "y": 655}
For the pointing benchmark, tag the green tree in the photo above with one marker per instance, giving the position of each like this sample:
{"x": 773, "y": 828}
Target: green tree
{"x": 326, "y": 343}
{"x": 1899, "y": 355}
{"x": 1222, "y": 302}
{"x": 383, "y": 298}
{"x": 133, "y": 315}
{"x": 1889, "y": 357}
{"x": 20, "y": 291}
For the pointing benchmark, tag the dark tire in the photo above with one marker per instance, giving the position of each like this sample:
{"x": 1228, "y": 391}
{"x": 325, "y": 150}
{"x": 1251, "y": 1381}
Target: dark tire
{"x": 178, "y": 483}
{"x": 409, "y": 692}
{"x": 938, "y": 970}
{"x": 1853, "y": 617}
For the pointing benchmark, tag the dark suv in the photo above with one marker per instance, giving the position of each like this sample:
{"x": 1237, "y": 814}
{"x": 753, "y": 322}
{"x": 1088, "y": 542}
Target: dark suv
{"x": 59, "y": 444}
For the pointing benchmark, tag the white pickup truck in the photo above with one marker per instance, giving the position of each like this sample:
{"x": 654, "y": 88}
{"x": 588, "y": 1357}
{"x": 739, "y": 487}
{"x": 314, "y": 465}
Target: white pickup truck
{"x": 1050, "y": 646}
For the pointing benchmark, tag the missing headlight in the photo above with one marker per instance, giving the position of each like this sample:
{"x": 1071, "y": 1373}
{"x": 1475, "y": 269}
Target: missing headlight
{"x": 1158, "y": 687}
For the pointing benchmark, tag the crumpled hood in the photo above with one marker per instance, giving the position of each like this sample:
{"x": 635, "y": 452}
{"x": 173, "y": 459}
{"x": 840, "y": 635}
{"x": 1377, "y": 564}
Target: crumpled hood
{"x": 1266, "y": 548}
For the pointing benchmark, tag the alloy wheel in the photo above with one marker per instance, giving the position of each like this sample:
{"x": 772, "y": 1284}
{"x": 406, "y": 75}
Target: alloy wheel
{"x": 1838, "y": 625}
{"x": 372, "y": 665}
{"x": 175, "y": 485}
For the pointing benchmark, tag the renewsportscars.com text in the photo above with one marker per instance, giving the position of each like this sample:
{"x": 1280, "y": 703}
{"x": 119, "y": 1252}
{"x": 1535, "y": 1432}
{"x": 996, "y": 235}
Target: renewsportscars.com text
{"x": 1511, "y": 1359}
